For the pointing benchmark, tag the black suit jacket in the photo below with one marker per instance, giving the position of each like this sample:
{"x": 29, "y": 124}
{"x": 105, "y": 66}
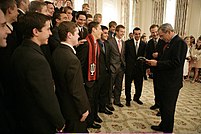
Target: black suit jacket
{"x": 170, "y": 65}
{"x": 84, "y": 33}
{"x": 150, "y": 49}
{"x": 69, "y": 83}
{"x": 54, "y": 39}
{"x": 105, "y": 58}
{"x": 18, "y": 27}
{"x": 37, "y": 104}
{"x": 82, "y": 54}
{"x": 132, "y": 64}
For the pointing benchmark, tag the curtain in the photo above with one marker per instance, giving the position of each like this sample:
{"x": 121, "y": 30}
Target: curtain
{"x": 158, "y": 11}
{"x": 125, "y": 16}
{"x": 181, "y": 15}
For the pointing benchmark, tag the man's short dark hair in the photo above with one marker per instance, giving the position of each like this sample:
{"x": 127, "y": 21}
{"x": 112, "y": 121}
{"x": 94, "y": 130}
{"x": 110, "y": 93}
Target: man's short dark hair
{"x": 89, "y": 16}
{"x": 91, "y": 25}
{"x": 57, "y": 15}
{"x": 36, "y": 6}
{"x": 136, "y": 29}
{"x": 81, "y": 13}
{"x": 104, "y": 27}
{"x": 5, "y": 4}
{"x": 153, "y": 26}
{"x": 112, "y": 23}
{"x": 118, "y": 27}
{"x": 33, "y": 20}
{"x": 65, "y": 9}
{"x": 64, "y": 28}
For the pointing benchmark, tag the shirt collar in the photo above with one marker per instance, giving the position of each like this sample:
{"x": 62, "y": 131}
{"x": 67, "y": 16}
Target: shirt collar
{"x": 136, "y": 41}
{"x": 69, "y": 46}
{"x": 10, "y": 26}
{"x": 117, "y": 39}
{"x": 21, "y": 10}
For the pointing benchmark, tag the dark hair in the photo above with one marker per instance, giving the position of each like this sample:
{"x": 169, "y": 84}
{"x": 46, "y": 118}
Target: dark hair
{"x": 153, "y": 26}
{"x": 33, "y": 20}
{"x": 36, "y": 6}
{"x": 198, "y": 47}
{"x": 192, "y": 37}
{"x": 57, "y": 15}
{"x": 64, "y": 28}
{"x": 89, "y": 16}
{"x": 91, "y": 25}
{"x": 112, "y": 23}
{"x": 66, "y": 8}
{"x": 5, "y": 4}
{"x": 118, "y": 27}
{"x": 19, "y": 1}
{"x": 81, "y": 13}
{"x": 48, "y": 2}
{"x": 103, "y": 27}
{"x": 136, "y": 29}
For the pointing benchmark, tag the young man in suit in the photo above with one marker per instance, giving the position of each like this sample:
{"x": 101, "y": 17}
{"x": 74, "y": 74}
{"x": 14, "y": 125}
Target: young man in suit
{"x": 9, "y": 8}
{"x": 154, "y": 50}
{"x": 112, "y": 27}
{"x": 4, "y": 117}
{"x": 105, "y": 74}
{"x": 69, "y": 81}
{"x": 81, "y": 19}
{"x": 134, "y": 67}
{"x": 23, "y": 6}
{"x": 170, "y": 75}
{"x": 89, "y": 54}
{"x": 36, "y": 102}
{"x": 117, "y": 65}
{"x": 4, "y": 30}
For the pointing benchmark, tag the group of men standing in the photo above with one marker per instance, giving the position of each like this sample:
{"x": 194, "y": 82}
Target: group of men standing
{"x": 86, "y": 70}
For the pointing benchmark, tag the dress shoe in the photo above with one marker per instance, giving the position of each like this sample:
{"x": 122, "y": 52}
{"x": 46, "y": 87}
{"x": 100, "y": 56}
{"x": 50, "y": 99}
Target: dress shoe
{"x": 98, "y": 119}
{"x": 110, "y": 107}
{"x": 128, "y": 103}
{"x": 139, "y": 102}
{"x": 156, "y": 128}
{"x": 154, "y": 107}
{"x": 106, "y": 112}
{"x": 95, "y": 126}
{"x": 158, "y": 114}
{"x": 119, "y": 104}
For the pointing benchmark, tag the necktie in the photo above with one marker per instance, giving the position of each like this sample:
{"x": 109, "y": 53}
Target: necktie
{"x": 136, "y": 47}
{"x": 81, "y": 32}
{"x": 155, "y": 43}
{"x": 103, "y": 46}
{"x": 119, "y": 45}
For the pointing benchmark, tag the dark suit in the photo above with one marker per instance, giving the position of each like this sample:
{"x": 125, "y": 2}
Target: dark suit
{"x": 134, "y": 69}
{"x": 170, "y": 77}
{"x": 150, "y": 49}
{"x": 111, "y": 35}
{"x": 70, "y": 89}
{"x": 18, "y": 27}
{"x": 105, "y": 75}
{"x": 5, "y": 71}
{"x": 91, "y": 87}
{"x": 37, "y": 105}
{"x": 83, "y": 34}
{"x": 117, "y": 67}
{"x": 54, "y": 39}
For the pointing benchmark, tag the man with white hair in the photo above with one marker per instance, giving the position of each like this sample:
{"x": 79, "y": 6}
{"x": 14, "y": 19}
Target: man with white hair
{"x": 170, "y": 75}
